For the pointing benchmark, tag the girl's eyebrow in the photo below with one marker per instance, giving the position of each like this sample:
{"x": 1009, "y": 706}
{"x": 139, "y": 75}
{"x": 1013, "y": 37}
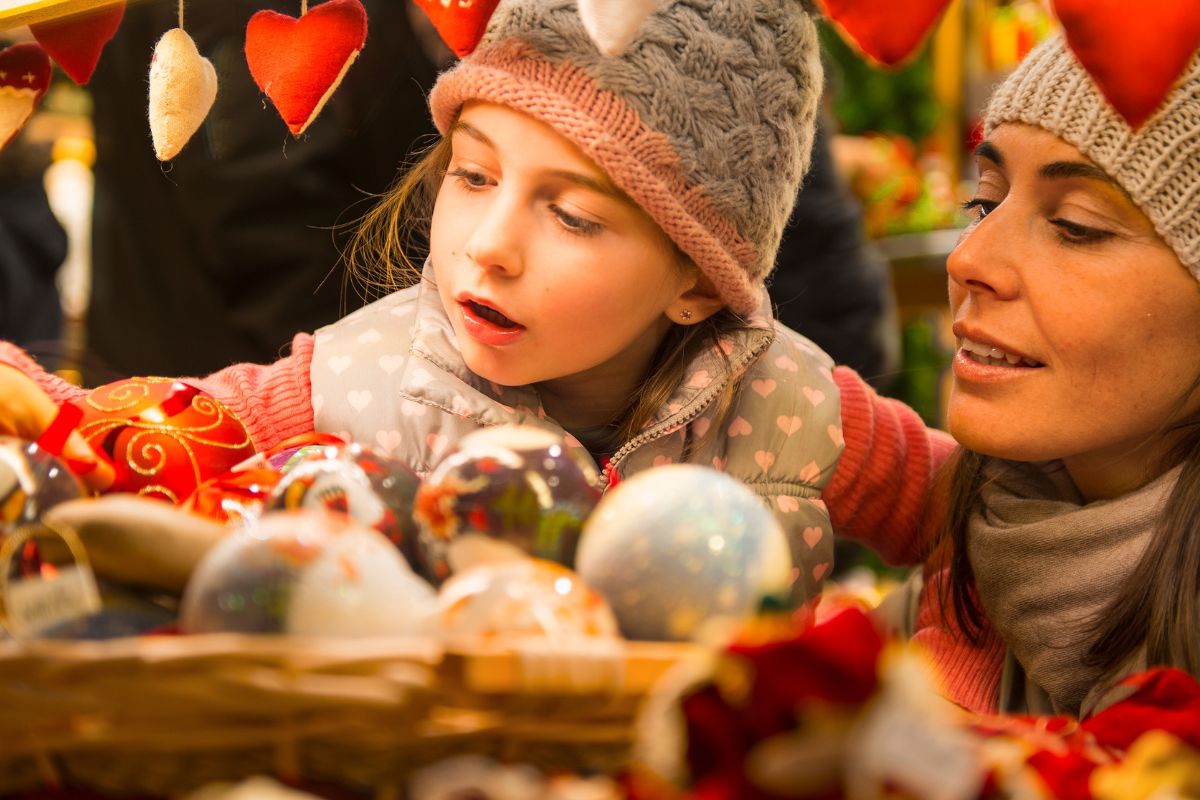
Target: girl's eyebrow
{"x": 601, "y": 184}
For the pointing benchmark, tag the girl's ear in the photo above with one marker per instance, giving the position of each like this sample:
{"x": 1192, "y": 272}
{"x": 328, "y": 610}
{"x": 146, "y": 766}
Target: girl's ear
{"x": 695, "y": 303}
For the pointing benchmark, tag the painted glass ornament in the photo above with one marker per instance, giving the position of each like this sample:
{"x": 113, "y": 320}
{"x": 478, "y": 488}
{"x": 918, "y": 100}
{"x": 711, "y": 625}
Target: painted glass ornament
{"x": 520, "y": 598}
{"x": 678, "y": 545}
{"x": 511, "y": 489}
{"x": 372, "y": 488}
{"x": 31, "y": 482}
{"x": 306, "y": 572}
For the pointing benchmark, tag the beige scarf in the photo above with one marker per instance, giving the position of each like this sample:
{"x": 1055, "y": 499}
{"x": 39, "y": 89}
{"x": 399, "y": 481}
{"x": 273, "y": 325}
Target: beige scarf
{"x": 1046, "y": 564}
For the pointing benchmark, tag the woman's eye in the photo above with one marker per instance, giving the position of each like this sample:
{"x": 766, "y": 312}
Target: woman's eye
{"x": 978, "y": 208}
{"x": 1075, "y": 233}
{"x": 575, "y": 224}
{"x": 469, "y": 179}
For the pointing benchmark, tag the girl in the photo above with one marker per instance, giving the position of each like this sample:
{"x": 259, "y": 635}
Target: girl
{"x": 600, "y": 230}
{"x": 1072, "y": 539}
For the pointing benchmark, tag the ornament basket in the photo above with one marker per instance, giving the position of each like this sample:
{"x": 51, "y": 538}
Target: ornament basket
{"x": 163, "y": 715}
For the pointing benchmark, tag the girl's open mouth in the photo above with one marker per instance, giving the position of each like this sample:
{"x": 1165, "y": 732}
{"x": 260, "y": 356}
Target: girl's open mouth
{"x": 490, "y": 315}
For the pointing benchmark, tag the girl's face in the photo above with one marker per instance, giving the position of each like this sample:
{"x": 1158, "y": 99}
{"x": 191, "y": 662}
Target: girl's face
{"x": 548, "y": 272}
{"x": 1078, "y": 327}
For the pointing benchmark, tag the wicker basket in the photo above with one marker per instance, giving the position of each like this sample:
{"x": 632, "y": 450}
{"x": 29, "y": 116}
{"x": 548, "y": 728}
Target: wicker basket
{"x": 162, "y": 715}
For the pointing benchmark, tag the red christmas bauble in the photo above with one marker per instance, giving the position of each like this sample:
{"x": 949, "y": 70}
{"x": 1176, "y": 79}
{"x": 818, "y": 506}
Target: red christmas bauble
{"x": 164, "y": 437}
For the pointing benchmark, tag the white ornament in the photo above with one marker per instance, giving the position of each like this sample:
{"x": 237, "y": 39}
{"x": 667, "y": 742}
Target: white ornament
{"x": 613, "y": 24}
{"x": 183, "y": 86}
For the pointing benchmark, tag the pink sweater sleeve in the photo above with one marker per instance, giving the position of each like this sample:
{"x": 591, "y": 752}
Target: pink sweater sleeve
{"x": 60, "y": 391}
{"x": 885, "y": 481}
{"x": 273, "y": 401}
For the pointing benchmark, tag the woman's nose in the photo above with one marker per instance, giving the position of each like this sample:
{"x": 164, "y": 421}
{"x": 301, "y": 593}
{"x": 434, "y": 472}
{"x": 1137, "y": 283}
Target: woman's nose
{"x": 984, "y": 260}
{"x": 494, "y": 243}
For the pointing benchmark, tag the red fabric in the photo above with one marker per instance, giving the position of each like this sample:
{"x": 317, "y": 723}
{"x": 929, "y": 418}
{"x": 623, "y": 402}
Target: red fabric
{"x": 75, "y": 42}
{"x": 887, "y": 31}
{"x": 1164, "y": 699}
{"x": 298, "y": 63}
{"x": 461, "y": 25}
{"x": 1134, "y": 57}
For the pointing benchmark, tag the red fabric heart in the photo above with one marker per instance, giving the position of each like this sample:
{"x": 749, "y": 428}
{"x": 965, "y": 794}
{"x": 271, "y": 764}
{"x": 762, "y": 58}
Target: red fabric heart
{"x": 24, "y": 78}
{"x": 460, "y": 24}
{"x": 1134, "y": 54}
{"x": 75, "y": 42}
{"x": 298, "y": 63}
{"x": 886, "y": 31}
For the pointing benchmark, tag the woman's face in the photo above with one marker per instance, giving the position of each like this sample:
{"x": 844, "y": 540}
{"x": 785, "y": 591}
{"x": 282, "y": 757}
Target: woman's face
{"x": 1078, "y": 328}
{"x": 549, "y": 273}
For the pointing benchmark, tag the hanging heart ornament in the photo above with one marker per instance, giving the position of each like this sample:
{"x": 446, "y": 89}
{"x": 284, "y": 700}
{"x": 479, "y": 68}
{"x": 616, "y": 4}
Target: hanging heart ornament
{"x": 298, "y": 63}
{"x": 183, "y": 86}
{"x": 24, "y": 78}
{"x": 1135, "y": 53}
{"x": 460, "y": 23}
{"x": 75, "y": 42}
{"x": 886, "y": 31}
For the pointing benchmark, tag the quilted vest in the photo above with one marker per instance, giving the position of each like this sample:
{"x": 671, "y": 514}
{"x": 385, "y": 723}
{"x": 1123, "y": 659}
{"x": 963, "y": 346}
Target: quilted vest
{"x": 390, "y": 375}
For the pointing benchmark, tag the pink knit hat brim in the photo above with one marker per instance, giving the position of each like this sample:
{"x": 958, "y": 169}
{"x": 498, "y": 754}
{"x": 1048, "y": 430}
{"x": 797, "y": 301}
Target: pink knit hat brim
{"x": 638, "y": 160}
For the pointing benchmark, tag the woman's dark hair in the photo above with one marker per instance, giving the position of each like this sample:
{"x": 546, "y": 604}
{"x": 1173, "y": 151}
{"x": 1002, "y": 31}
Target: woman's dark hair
{"x": 392, "y": 239}
{"x": 1159, "y": 603}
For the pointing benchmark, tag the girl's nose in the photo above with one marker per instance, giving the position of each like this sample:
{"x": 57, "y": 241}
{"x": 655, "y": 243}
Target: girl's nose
{"x": 494, "y": 243}
{"x": 983, "y": 262}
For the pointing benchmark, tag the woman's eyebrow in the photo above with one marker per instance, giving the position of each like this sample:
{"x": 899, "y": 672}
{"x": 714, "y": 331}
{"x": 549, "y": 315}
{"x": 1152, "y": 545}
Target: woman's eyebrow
{"x": 986, "y": 149}
{"x": 1076, "y": 169}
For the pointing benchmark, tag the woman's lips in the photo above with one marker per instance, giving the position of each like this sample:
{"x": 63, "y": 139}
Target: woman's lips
{"x": 489, "y": 325}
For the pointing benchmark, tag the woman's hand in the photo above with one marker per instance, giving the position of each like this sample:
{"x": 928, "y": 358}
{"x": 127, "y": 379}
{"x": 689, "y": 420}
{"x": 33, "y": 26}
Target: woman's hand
{"x": 26, "y": 411}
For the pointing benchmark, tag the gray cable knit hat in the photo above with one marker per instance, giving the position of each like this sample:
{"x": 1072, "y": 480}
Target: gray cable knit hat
{"x": 706, "y": 120}
{"x": 1158, "y": 164}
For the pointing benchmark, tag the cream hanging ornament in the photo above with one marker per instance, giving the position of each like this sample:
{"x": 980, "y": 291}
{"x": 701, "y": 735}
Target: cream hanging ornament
{"x": 183, "y": 86}
{"x": 612, "y": 24}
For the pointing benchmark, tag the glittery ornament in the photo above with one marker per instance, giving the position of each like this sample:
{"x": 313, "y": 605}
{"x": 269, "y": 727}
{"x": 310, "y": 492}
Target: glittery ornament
{"x": 677, "y": 545}
{"x": 508, "y": 489}
{"x": 310, "y": 573}
{"x": 164, "y": 437}
{"x": 31, "y": 482}
{"x": 374, "y": 489}
{"x": 523, "y": 597}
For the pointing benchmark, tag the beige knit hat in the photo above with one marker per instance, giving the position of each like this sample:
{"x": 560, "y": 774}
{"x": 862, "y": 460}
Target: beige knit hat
{"x": 1158, "y": 164}
{"x": 706, "y": 120}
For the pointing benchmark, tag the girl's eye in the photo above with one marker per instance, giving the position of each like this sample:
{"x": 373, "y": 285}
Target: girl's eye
{"x": 1074, "y": 233}
{"x": 978, "y": 208}
{"x": 469, "y": 179}
{"x": 574, "y": 224}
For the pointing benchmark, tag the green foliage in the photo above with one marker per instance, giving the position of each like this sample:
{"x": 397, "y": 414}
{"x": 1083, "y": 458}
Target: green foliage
{"x": 870, "y": 99}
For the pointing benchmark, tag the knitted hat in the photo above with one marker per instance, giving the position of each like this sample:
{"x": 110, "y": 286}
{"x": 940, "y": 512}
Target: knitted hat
{"x": 706, "y": 120}
{"x": 1158, "y": 164}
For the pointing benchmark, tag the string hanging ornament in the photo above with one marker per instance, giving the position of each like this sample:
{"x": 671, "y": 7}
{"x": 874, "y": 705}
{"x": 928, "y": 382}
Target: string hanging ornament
{"x": 183, "y": 87}
{"x": 299, "y": 63}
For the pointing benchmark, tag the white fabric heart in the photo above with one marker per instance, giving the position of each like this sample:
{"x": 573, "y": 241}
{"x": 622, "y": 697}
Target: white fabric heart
{"x": 183, "y": 86}
{"x": 612, "y": 24}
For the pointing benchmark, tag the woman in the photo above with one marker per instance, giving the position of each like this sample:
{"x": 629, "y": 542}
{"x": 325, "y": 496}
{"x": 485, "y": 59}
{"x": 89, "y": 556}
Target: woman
{"x": 1071, "y": 556}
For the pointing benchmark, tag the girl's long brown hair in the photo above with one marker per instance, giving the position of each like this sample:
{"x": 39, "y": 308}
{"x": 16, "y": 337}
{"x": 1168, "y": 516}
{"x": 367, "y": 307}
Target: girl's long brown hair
{"x": 391, "y": 241}
{"x": 1158, "y": 605}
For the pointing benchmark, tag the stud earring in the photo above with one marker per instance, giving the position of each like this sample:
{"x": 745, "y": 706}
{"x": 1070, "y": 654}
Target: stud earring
{"x": 686, "y": 314}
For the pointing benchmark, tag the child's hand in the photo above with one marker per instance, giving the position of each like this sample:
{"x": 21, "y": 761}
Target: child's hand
{"x": 26, "y": 411}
